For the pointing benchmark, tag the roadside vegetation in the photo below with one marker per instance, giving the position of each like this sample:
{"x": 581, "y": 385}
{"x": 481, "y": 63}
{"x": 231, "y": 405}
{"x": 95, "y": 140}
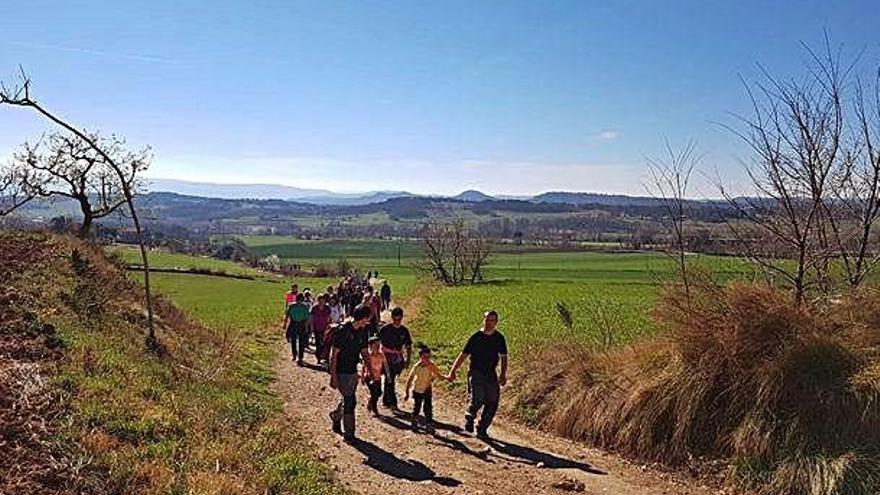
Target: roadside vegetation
{"x": 786, "y": 396}
{"x": 196, "y": 415}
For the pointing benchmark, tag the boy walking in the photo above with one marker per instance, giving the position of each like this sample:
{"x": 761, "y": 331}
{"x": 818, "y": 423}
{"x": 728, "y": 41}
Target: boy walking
{"x": 421, "y": 379}
{"x": 397, "y": 346}
{"x": 374, "y": 366}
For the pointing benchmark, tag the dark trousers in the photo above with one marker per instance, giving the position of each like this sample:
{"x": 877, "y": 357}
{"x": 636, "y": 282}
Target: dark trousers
{"x": 344, "y": 412}
{"x": 298, "y": 335}
{"x": 319, "y": 345}
{"x": 423, "y": 401}
{"x": 392, "y": 371}
{"x": 485, "y": 393}
{"x": 375, "y": 387}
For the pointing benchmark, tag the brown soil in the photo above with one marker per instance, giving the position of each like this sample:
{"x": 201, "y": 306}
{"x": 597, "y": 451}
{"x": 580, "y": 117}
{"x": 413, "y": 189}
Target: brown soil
{"x": 32, "y": 460}
{"x": 392, "y": 459}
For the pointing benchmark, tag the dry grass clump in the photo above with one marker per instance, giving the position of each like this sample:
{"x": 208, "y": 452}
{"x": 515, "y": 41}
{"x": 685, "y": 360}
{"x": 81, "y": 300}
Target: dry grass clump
{"x": 787, "y": 395}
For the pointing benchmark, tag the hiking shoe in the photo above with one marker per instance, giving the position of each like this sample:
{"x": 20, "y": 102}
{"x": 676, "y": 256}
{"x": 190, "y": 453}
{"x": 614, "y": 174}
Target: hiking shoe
{"x": 469, "y": 425}
{"x": 336, "y": 423}
{"x": 429, "y": 428}
{"x": 350, "y": 439}
{"x": 482, "y": 434}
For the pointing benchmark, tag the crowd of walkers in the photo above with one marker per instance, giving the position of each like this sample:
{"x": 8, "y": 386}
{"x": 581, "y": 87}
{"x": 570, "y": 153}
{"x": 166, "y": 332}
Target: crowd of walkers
{"x": 344, "y": 324}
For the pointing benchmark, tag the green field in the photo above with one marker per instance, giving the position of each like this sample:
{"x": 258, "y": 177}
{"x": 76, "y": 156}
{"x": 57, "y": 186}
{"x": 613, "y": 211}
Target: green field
{"x": 223, "y": 303}
{"x": 163, "y": 259}
{"x": 609, "y": 294}
{"x": 366, "y": 255}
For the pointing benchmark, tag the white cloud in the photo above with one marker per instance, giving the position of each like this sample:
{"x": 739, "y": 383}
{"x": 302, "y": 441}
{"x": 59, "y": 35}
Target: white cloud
{"x": 607, "y": 135}
{"x": 101, "y": 53}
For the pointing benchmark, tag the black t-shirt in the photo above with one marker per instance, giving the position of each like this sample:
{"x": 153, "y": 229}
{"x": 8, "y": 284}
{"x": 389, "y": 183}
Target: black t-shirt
{"x": 484, "y": 351}
{"x": 372, "y": 328}
{"x": 350, "y": 343}
{"x": 395, "y": 337}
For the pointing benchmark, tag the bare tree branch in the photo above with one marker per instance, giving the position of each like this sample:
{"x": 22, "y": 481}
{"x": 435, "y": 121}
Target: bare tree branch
{"x": 125, "y": 166}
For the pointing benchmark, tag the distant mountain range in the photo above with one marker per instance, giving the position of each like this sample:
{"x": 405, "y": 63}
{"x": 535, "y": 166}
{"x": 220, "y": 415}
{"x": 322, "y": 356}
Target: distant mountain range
{"x": 269, "y": 191}
{"x": 231, "y": 191}
{"x": 329, "y": 198}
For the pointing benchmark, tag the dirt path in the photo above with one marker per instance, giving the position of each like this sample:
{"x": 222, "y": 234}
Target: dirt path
{"x": 391, "y": 459}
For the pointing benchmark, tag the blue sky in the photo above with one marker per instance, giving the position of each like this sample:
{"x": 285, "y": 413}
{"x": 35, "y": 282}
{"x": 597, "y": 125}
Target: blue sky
{"x": 432, "y": 97}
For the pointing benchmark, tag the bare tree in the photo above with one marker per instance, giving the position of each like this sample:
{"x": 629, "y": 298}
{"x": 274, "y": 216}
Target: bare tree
{"x": 63, "y": 165}
{"x": 14, "y": 192}
{"x": 796, "y": 134}
{"x": 109, "y": 152}
{"x": 670, "y": 178}
{"x": 816, "y": 173}
{"x": 856, "y": 208}
{"x": 453, "y": 253}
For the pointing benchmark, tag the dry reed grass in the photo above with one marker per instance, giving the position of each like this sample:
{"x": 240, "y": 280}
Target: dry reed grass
{"x": 786, "y": 395}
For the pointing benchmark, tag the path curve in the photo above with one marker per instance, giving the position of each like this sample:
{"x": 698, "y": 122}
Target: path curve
{"x": 391, "y": 459}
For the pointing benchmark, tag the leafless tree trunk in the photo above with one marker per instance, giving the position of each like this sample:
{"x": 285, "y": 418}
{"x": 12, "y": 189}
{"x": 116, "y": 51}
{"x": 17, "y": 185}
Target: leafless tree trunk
{"x": 126, "y": 171}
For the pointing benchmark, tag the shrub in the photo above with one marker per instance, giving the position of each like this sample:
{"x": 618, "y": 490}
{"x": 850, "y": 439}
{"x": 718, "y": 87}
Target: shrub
{"x": 270, "y": 263}
{"x": 785, "y": 394}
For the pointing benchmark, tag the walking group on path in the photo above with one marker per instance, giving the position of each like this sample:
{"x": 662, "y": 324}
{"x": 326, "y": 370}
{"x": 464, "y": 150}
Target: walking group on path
{"x": 345, "y": 324}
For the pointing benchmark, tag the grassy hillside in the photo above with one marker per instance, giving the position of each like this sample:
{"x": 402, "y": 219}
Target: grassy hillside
{"x": 196, "y": 418}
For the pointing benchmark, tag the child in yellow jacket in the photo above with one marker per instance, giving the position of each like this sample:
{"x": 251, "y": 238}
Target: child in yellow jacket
{"x": 421, "y": 378}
